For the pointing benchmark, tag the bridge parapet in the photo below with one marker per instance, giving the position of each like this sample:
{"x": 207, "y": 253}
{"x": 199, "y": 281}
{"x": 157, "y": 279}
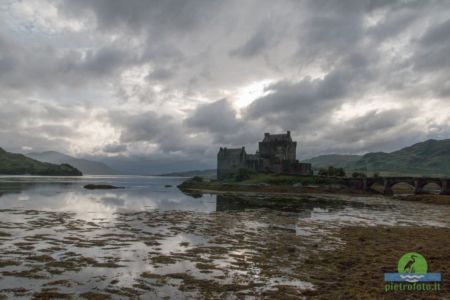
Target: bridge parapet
{"x": 418, "y": 183}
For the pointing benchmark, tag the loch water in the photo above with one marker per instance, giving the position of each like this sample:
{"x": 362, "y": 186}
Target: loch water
{"x": 150, "y": 240}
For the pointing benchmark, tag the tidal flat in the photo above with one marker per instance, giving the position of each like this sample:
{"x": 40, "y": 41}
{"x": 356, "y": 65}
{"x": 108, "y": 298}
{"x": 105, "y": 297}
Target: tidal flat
{"x": 60, "y": 241}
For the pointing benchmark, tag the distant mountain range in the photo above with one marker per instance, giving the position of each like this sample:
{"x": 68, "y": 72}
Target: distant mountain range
{"x": 431, "y": 158}
{"x": 19, "y": 164}
{"x": 88, "y": 167}
{"x": 335, "y": 160}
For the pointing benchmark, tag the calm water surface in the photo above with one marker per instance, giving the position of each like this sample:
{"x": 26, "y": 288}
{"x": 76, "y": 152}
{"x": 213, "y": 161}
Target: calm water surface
{"x": 149, "y": 240}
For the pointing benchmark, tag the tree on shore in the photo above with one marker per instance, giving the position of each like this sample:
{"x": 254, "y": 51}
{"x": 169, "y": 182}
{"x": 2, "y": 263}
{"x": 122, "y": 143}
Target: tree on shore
{"x": 332, "y": 172}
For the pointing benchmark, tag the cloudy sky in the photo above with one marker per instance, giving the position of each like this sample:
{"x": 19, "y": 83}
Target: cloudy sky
{"x": 160, "y": 85}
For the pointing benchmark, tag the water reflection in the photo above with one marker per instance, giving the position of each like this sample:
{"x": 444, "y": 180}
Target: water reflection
{"x": 300, "y": 204}
{"x": 152, "y": 241}
{"x": 68, "y": 194}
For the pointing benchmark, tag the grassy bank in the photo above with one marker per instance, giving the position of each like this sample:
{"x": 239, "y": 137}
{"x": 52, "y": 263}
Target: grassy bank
{"x": 271, "y": 183}
{"x": 274, "y": 179}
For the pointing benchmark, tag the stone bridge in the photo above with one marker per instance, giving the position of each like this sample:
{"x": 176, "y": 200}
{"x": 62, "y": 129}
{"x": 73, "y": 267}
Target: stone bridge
{"x": 418, "y": 183}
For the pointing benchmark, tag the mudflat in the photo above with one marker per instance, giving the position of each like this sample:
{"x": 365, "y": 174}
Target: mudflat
{"x": 356, "y": 269}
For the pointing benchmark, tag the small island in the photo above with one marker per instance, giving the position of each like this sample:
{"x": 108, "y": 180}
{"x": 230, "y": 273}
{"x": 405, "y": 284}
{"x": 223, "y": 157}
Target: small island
{"x": 19, "y": 164}
{"x": 274, "y": 168}
{"x": 101, "y": 187}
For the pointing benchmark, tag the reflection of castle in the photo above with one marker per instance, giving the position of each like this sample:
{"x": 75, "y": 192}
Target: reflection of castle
{"x": 277, "y": 153}
{"x": 301, "y": 209}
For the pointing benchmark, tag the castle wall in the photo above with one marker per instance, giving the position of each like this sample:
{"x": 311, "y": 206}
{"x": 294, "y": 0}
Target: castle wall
{"x": 229, "y": 161}
{"x": 296, "y": 168}
{"x": 255, "y": 164}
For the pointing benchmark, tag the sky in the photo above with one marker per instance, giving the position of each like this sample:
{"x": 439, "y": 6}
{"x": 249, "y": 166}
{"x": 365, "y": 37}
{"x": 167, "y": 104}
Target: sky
{"x": 153, "y": 86}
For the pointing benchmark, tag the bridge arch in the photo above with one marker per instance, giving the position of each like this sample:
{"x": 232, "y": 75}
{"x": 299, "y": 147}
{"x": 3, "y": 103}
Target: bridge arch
{"x": 390, "y": 182}
{"x": 423, "y": 183}
{"x": 405, "y": 187}
{"x": 370, "y": 183}
{"x": 432, "y": 188}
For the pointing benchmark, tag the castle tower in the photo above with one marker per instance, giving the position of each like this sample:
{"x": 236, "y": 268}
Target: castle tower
{"x": 278, "y": 147}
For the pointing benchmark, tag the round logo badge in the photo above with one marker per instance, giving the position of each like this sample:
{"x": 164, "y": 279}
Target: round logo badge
{"x": 412, "y": 262}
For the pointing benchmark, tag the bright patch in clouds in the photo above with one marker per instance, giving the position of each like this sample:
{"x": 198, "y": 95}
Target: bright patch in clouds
{"x": 249, "y": 93}
{"x": 359, "y": 109}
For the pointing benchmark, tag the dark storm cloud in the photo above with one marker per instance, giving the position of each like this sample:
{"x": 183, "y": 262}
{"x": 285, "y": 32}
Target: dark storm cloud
{"x": 433, "y": 48}
{"x": 43, "y": 66}
{"x": 437, "y": 34}
{"x": 115, "y": 148}
{"x": 160, "y": 74}
{"x": 144, "y": 15}
{"x": 298, "y": 103}
{"x": 253, "y": 46}
{"x": 105, "y": 60}
{"x": 218, "y": 116}
{"x": 372, "y": 124}
{"x": 375, "y": 130}
{"x": 166, "y": 133}
{"x": 146, "y": 126}
{"x": 220, "y": 120}
{"x": 330, "y": 30}
{"x": 393, "y": 23}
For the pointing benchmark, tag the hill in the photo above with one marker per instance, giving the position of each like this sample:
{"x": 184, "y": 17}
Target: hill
{"x": 202, "y": 173}
{"x": 18, "y": 164}
{"x": 431, "y": 158}
{"x": 336, "y": 160}
{"x": 88, "y": 167}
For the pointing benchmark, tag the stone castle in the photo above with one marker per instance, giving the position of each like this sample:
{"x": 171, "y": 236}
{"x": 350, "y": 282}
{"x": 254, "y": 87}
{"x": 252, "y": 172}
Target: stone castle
{"x": 276, "y": 154}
